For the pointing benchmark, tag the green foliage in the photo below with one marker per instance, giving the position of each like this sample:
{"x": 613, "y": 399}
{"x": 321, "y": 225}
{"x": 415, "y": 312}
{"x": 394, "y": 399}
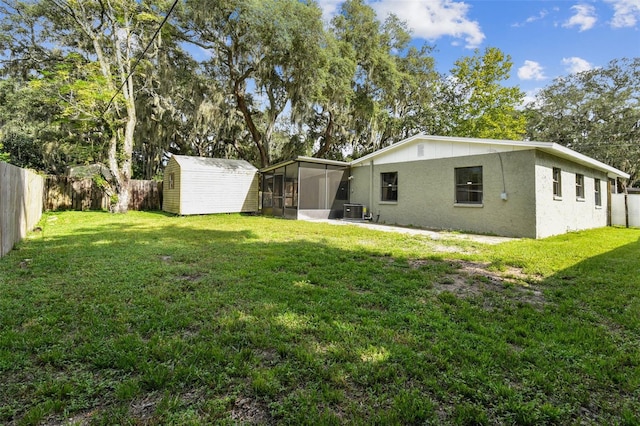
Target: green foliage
{"x": 477, "y": 102}
{"x": 4, "y": 156}
{"x": 151, "y": 318}
{"x": 594, "y": 112}
{"x": 275, "y": 83}
{"x": 275, "y": 45}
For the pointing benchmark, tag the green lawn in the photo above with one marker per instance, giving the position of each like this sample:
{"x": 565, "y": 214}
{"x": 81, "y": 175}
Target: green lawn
{"x": 146, "y": 318}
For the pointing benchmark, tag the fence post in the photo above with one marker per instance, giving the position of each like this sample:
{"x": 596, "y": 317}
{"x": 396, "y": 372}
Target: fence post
{"x": 626, "y": 208}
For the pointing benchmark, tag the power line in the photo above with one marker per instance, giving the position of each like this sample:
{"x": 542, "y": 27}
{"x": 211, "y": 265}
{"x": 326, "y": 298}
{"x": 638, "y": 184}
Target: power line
{"x": 140, "y": 57}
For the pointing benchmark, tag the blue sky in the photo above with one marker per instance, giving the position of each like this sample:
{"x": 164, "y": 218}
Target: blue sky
{"x": 545, "y": 38}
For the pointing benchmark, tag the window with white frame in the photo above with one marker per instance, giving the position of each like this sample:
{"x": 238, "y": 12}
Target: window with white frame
{"x": 557, "y": 182}
{"x": 579, "y": 186}
{"x": 598, "y": 192}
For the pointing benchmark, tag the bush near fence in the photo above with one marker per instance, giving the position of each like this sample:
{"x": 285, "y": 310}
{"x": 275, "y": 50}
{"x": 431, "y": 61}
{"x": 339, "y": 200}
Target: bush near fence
{"x": 66, "y": 193}
{"x": 20, "y": 204}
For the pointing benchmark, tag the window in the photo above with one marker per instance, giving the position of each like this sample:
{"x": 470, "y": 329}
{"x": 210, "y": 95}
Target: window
{"x": 557, "y": 182}
{"x": 579, "y": 186}
{"x": 469, "y": 185}
{"x": 389, "y": 182}
{"x": 598, "y": 194}
{"x": 172, "y": 180}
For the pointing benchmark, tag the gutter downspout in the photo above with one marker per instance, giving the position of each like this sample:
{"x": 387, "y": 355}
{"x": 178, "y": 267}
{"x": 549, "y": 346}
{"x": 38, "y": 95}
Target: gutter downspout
{"x": 609, "y": 189}
{"x": 371, "y": 187}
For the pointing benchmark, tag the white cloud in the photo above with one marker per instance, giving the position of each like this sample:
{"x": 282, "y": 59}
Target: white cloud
{"x": 434, "y": 19}
{"x": 429, "y": 20}
{"x": 585, "y": 17}
{"x": 543, "y": 13}
{"x": 626, "y": 13}
{"x": 329, "y": 8}
{"x": 575, "y": 65}
{"x": 531, "y": 70}
{"x": 530, "y": 96}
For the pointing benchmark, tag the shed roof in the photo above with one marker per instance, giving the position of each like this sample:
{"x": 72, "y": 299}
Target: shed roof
{"x": 549, "y": 147}
{"x": 204, "y": 163}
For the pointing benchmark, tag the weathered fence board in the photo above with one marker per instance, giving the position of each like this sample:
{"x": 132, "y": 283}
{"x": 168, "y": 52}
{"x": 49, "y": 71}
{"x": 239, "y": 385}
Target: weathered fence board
{"x": 65, "y": 193}
{"x": 145, "y": 195}
{"x": 20, "y": 204}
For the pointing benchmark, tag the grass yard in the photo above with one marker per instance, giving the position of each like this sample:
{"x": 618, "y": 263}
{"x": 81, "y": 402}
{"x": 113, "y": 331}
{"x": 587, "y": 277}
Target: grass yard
{"x": 146, "y": 318}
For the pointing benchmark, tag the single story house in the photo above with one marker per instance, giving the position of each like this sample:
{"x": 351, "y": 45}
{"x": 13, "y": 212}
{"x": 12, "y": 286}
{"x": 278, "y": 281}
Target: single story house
{"x": 198, "y": 185}
{"x": 510, "y": 188}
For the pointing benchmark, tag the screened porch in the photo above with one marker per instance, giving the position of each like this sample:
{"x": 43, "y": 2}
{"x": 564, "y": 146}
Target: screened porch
{"x": 305, "y": 188}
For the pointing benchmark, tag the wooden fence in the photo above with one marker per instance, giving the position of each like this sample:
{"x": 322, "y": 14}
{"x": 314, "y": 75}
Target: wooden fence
{"x": 65, "y": 193}
{"x": 20, "y": 204}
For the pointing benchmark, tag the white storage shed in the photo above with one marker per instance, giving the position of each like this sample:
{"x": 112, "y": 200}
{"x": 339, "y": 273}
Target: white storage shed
{"x": 198, "y": 185}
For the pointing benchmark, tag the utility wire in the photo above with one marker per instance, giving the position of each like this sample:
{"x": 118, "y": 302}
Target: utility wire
{"x": 140, "y": 57}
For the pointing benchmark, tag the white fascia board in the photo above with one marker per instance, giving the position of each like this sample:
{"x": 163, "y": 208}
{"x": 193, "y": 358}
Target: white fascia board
{"x": 550, "y": 147}
{"x": 564, "y": 152}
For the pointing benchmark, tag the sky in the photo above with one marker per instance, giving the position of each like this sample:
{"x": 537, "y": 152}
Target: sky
{"x": 546, "y": 39}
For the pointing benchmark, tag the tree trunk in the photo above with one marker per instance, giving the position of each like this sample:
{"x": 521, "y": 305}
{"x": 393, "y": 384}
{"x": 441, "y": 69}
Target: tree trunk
{"x": 255, "y": 133}
{"x": 327, "y": 139}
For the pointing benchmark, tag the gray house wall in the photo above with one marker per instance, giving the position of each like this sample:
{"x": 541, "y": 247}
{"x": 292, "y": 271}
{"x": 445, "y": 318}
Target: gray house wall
{"x": 426, "y": 193}
{"x": 557, "y": 215}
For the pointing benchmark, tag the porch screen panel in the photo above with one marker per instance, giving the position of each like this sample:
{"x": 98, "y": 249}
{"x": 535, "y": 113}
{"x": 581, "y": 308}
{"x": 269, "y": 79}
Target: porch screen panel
{"x": 313, "y": 187}
{"x": 291, "y": 186}
{"x": 337, "y": 184}
{"x": 267, "y": 191}
{"x": 277, "y": 191}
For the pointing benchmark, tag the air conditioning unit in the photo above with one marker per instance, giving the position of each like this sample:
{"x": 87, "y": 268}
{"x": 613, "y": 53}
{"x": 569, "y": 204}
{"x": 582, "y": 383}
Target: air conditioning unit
{"x": 353, "y": 212}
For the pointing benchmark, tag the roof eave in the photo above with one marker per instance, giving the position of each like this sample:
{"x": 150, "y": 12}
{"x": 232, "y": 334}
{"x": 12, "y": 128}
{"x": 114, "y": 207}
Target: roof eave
{"x": 305, "y": 160}
{"x": 549, "y": 147}
{"x": 565, "y": 152}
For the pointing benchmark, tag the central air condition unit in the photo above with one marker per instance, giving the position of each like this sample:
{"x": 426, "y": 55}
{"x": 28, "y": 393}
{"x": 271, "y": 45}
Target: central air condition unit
{"x": 353, "y": 212}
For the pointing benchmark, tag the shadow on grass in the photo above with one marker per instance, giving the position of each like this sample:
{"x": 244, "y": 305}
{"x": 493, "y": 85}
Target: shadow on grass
{"x": 244, "y": 320}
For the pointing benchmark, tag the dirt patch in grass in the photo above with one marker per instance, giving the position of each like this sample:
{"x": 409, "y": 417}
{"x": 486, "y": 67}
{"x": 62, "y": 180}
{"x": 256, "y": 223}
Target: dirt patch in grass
{"x": 189, "y": 277}
{"x": 475, "y": 279}
{"x": 439, "y": 248}
{"x": 247, "y": 410}
{"x": 144, "y": 409}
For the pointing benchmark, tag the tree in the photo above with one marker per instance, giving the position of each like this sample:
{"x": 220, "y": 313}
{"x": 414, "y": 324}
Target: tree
{"x": 475, "y": 102}
{"x": 329, "y": 117}
{"x": 112, "y": 31}
{"x": 594, "y": 112}
{"x": 414, "y": 106}
{"x": 98, "y": 96}
{"x": 266, "y": 56}
{"x": 377, "y": 77}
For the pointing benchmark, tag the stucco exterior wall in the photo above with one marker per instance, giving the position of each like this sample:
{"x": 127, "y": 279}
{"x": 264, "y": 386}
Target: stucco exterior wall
{"x": 171, "y": 196}
{"x": 426, "y": 193}
{"x": 559, "y": 215}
